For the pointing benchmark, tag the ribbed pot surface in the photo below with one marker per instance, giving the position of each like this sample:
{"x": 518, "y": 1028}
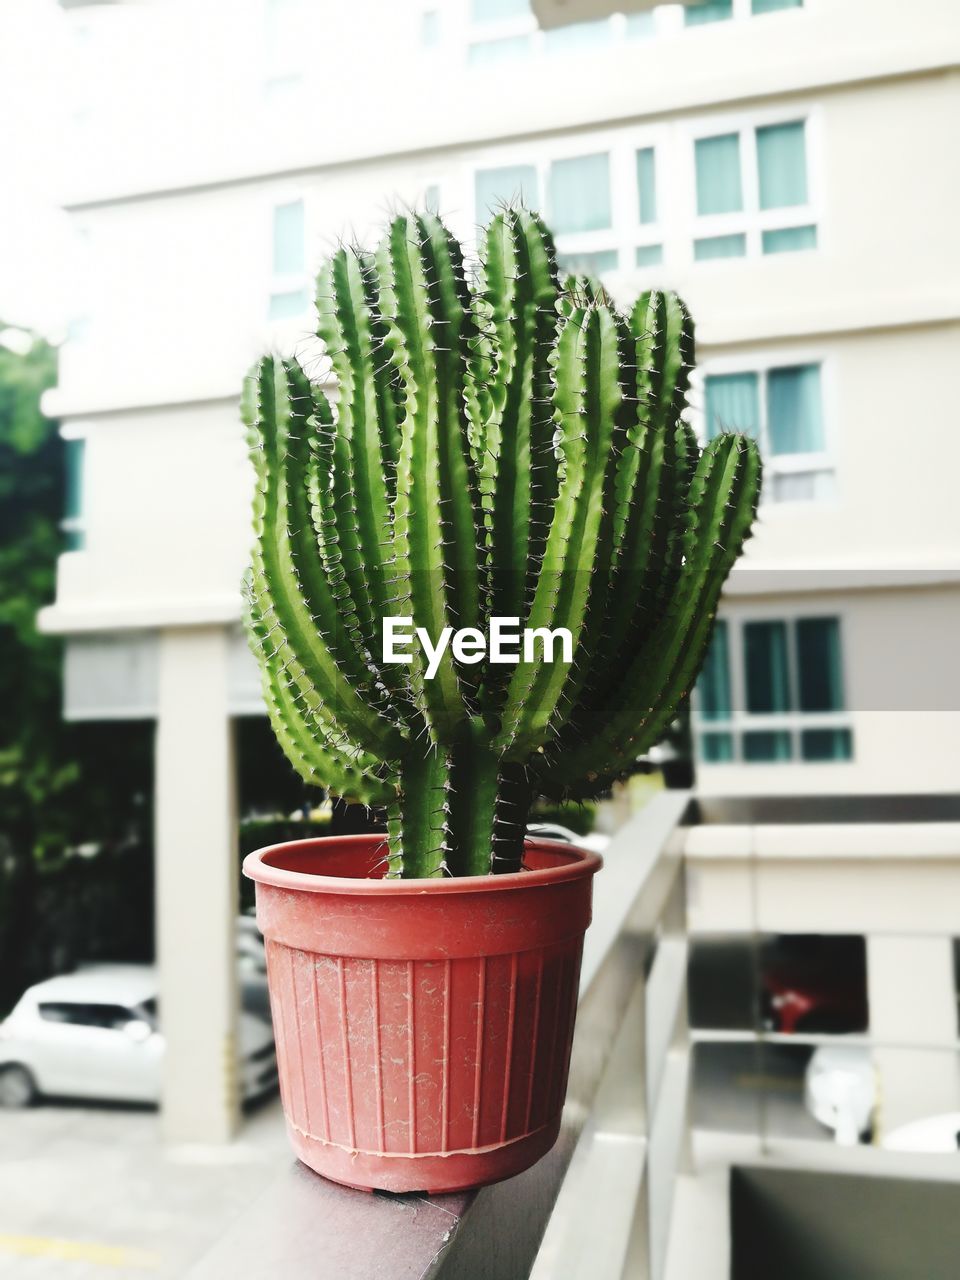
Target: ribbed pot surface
{"x": 423, "y": 1027}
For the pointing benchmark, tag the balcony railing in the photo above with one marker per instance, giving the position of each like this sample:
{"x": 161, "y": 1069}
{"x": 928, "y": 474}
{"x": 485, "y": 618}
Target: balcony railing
{"x": 601, "y": 1204}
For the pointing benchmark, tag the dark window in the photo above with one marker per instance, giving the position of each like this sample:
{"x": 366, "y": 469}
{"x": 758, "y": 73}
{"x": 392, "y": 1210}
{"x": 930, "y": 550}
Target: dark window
{"x": 109, "y": 1017}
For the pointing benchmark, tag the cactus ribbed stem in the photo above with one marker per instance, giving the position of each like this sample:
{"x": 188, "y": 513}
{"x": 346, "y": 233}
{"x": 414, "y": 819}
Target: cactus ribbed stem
{"x": 515, "y": 449}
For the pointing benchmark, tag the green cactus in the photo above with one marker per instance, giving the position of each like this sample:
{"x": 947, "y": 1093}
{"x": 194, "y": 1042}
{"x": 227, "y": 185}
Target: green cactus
{"x": 503, "y": 447}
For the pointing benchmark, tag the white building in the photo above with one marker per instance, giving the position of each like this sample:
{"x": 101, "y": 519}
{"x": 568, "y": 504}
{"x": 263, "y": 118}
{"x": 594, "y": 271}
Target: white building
{"x": 789, "y": 166}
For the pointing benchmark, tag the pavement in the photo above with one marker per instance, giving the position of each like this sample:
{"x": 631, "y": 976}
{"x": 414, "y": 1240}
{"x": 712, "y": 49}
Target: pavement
{"x": 753, "y": 1089}
{"x": 91, "y": 1193}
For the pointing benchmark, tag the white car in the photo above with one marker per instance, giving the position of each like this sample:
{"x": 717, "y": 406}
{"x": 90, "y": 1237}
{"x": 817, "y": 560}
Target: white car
{"x": 840, "y": 1090}
{"x": 95, "y": 1034}
{"x": 934, "y": 1135}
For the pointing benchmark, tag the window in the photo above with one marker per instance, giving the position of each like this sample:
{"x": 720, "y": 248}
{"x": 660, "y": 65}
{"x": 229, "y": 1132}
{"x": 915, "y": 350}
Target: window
{"x": 647, "y": 184}
{"x": 753, "y": 192}
{"x": 782, "y": 408}
{"x": 105, "y": 1017}
{"x": 578, "y": 36}
{"x": 286, "y": 45}
{"x": 580, "y": 194}
{"x": 430, "y": 28}
{"x": 719, "y": 181}
{"x": 696, "y": 14}
{"x": 588, "y": 264}
{"x": 772, "y": 690}
{"x": 289, "y": 295}
{"x": 494, "y": 187}
{"x": 712, "y": 11}
{"x": 485, "y": 53}
{"x": 782, "y": 165}
{"x": 605, "y": 207}
{"x": 501, "y": 30}
{"x": 770, "y": 6}
{"x": 73, "y": 524}
{"x": 498, "y": 10}
{"x": 641, "y": 26}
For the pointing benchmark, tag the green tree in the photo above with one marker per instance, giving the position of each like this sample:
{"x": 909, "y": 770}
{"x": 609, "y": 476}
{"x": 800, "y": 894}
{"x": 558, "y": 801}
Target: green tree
{"x": 60, "y": 784}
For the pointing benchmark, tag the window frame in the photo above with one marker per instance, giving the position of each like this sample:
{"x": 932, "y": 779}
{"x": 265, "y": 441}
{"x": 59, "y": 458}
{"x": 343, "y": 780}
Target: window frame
{"x": 751, "y": 220}
{"x": 460, "y": 32}
{"x": 821, "y": 463}
{"x": 793, "y": 722}
{"x": 279, "y": 283}
{"x": 78, "y": 526}
{"x": 626, "y": 232}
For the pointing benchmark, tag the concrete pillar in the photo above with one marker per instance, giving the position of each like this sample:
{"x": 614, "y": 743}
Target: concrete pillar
{"x": 913, "y": 1020}
{"x": 196, "y": 878}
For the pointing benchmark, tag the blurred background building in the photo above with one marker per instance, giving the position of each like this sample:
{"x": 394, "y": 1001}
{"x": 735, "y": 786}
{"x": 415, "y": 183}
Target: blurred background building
{"x": 789, "y": 166}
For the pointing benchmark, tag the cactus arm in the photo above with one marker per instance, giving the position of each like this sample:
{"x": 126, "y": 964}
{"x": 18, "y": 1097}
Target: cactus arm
{"x": 518, "y": 296}
{"x": 363, "y": 441}
{"x": 286, "y": 566}
{"x": 588, "y": 400}
{"x": 452, "y": 316}
{"x": 412, "y": 297}
{"x": 724, "y": 495}
{"x": 301, "y": 737}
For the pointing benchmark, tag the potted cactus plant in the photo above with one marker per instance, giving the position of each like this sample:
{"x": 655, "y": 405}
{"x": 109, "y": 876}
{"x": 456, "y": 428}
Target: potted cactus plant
{"x": 489, "y": 573}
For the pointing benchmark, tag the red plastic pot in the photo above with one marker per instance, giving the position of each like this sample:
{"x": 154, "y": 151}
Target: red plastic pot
{"x": 423, "y": 1026}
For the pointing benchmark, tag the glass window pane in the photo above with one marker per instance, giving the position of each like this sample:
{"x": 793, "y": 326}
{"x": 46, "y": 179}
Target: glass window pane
{"x": 74, "y": 459}
{"x": 494, "y": 187}
{"x": 733, "y": 403}
{"x": 588, "y": 264}
{"x": 486, "y": 53}
{"x": 790, "y": 240}
{"x": 498, "y": 10}
{"x": 767, "y": 748}
{"x": 770, "y": 6}
{"x": 289, "y": 239}
{"x": 713, "y": 687}
{"x": 719, "y": 184}
{"x": 580, "y": 193}
{"x": 766, "y": 668}
{"x": 716, "y": 748}
{"x": 430, "y": 28}
{"x": 826, "y": 744}
{"x": 641, "y": 26}
{"x": 649, "y": 255}
{"x": 286, "y": 306}
{"x": 578, "y": 36}
{"x": 431, "y": 198}
{"x": 795, "y": 410}
{"x": 647, "y": 184}
{"x": 820, "y": 664}
{"x": 75, "y": 453}
{"x": 800, "y": 486}
{"x": 720, "y": 247}
{"x": 714, "y": 11}
{"x": 782, "y": 165}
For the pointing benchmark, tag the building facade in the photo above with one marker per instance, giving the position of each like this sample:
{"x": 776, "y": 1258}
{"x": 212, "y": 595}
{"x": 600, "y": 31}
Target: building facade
{"x": 787, "y": 165}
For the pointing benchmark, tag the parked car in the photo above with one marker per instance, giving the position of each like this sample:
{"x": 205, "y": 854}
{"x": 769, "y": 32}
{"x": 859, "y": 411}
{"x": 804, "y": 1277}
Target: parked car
{"x": 840, "y": 1091}
{"x": 934, "y": 1135}
{"x": 593, "y": 841}
{"x": 95, "y": 1034}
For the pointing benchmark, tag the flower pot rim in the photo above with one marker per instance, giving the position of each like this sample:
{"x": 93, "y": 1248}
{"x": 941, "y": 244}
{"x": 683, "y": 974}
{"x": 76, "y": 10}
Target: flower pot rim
{"x": 577, "y": 864}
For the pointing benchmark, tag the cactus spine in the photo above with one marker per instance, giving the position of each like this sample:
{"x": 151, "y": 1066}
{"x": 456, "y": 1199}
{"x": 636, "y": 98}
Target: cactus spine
{"x": 507, "y": 447}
